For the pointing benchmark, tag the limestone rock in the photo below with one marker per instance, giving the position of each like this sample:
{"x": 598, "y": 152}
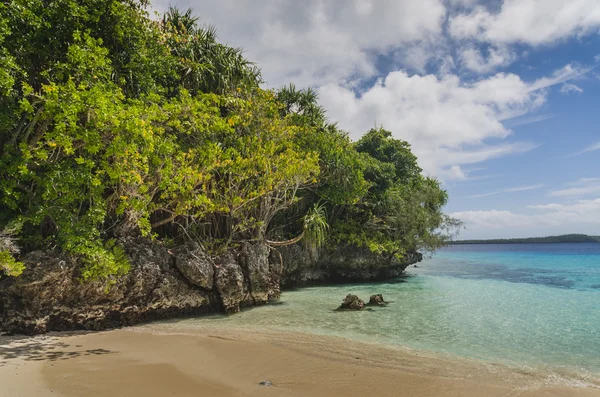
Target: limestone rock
{"x": 49, "y": 295}
{"x": 263, "y": 281}
{"x": 341, "y": 264}
{"x": 195, "y": 265}
{"x": 376, "y": 300}
{"x": 229, "y": 280}
{"x": 352, "y": 302}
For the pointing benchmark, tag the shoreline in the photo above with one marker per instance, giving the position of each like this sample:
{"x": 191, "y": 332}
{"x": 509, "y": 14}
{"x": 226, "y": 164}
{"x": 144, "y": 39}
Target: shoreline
{"x": 153, "y": 360}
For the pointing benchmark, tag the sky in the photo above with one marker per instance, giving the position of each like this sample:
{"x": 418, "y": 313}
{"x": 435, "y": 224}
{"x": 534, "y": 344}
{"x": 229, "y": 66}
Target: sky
{"x": 500, "y": 100}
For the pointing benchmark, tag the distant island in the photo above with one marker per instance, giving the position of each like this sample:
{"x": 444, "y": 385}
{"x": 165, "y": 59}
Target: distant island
{"x": 565, "y": 238}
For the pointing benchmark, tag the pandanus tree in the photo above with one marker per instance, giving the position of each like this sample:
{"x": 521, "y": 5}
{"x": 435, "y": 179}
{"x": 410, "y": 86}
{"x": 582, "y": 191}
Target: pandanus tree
{"x": 204, "y": 64}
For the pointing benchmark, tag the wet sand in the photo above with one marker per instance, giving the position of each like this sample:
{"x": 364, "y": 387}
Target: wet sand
{"x": 155, "y": 361}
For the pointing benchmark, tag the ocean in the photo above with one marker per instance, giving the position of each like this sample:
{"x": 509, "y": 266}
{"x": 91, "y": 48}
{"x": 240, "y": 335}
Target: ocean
{"x": 531, "y": 306}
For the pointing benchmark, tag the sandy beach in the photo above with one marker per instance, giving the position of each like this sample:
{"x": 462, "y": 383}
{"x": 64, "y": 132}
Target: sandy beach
{"x": 218, "y": 362}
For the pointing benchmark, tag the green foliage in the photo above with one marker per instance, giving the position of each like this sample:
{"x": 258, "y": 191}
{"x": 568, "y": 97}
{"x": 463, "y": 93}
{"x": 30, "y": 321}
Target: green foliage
{"x": 104, "y": 261}
{"x": 341, "y": 168}
{"x": 402, "y": 211}
{"x": 9, "y": 265}
{"x": 204, "y": 64}
{"x": 388, "y": 161}
{"x": 315, "y": 227}
{"x": 114, "y": 125}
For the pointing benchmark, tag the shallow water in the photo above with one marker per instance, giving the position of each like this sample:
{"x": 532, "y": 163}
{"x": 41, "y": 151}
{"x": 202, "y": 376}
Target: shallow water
{"x": 530, "y": 306}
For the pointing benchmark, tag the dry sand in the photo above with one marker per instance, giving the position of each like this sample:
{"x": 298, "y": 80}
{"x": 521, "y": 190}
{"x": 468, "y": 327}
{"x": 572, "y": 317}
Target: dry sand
{"x": 154, "y": 361}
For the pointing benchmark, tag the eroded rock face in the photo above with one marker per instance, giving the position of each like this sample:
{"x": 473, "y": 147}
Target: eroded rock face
{"x": 340, "y": 265}
{"x": 49, "y": 295}
{"x": 263, "y": 277}
{"x": 352, "y": 302}
{"x": 195, "y": 265}
{"x": 229, "y": 280}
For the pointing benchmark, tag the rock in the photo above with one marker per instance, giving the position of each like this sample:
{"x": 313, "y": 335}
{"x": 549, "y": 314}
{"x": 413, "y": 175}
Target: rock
{"x": 352, "y": 302}
{"x": 229, "y": 280}
{"x": 376, "y": 300}
{"x": 266, "y": 383}
{"x": 49, "y": 295}
{"x": 263, "y": 283}
{"x": 195, "y": 265}
{"x": 342, "y": 264}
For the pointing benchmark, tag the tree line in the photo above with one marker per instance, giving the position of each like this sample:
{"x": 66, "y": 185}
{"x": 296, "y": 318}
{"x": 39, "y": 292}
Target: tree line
{"x": 564, "y": 238}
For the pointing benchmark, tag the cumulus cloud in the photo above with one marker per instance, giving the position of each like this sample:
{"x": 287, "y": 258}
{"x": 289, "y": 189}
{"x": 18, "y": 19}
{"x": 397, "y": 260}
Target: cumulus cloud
{"x": 447, "y": 121}
{"x": 454, "y": 172}
{"x": 335, "y": 46}
{"x": 473, "y": 59}
{"x": 314, "y": 42}
{"x": 532, "y": 22}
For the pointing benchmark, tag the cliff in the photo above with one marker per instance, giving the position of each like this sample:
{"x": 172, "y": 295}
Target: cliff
{"x": 162, "y": 283}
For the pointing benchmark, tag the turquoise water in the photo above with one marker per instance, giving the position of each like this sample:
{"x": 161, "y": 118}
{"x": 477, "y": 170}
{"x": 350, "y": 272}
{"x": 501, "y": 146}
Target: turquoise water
{"x": 534, "y": 306}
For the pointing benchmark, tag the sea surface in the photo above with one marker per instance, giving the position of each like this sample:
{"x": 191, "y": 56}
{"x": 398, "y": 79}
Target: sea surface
{"x": 533, "y": 306}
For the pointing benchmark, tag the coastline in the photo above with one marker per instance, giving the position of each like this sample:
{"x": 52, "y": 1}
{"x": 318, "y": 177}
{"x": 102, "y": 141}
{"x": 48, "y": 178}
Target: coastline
{"x": 152, "y": 360}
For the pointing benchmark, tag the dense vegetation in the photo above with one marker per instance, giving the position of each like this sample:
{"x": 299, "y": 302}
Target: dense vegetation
{"x": 565, "y": 238}
{"x": 115, "y": 124}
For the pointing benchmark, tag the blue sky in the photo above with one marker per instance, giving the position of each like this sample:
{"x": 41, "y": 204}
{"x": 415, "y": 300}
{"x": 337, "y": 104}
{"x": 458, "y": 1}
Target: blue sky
{"x": 499, "y": 99}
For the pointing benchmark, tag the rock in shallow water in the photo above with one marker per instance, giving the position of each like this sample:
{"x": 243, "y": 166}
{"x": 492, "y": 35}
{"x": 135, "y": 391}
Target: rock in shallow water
{"x": 266, "y": 383}
{"x": 376, "y": 300}
{"x": 352, "y": 302}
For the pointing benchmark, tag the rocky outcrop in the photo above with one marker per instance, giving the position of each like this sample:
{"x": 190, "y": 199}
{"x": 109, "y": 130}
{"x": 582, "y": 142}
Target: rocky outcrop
{"x": 49, "y": 295}
{"x": 162, "y": 283}
{"x": 340, "y": 265}
{"x": 352, "y": 302}
{"x": 376, "y": 300}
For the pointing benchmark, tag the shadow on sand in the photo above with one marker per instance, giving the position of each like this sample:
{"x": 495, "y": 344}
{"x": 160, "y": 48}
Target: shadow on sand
{"x": 30, "y": 349}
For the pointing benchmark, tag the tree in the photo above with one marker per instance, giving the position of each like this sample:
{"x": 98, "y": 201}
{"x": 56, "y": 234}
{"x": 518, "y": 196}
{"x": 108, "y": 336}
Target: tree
{"x": 204, "y": 64}
{"x": 115, "y": 125}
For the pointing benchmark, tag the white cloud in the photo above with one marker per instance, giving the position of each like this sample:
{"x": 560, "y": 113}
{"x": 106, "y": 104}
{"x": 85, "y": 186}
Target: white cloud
{"x": 533, "y": 22}
{"x": 592, "y": 148}
{"x": 568, "y": 88}
{"x": 530, "y": 119}
{"x": 454, "y": 173}
{"x": 581, "y": 209}
{"x": 315, "y": 42}
{"x": 416, "y": 57}
{"x": 474, "y": 60}
{"x": 581, "y": 188}
{"x": 582, "y": 216}
{"x": 509, "y": 190}
{"x": 448, "y": 122}
{"x": 562, "y": 75}
{"x": 334, "y": 45}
